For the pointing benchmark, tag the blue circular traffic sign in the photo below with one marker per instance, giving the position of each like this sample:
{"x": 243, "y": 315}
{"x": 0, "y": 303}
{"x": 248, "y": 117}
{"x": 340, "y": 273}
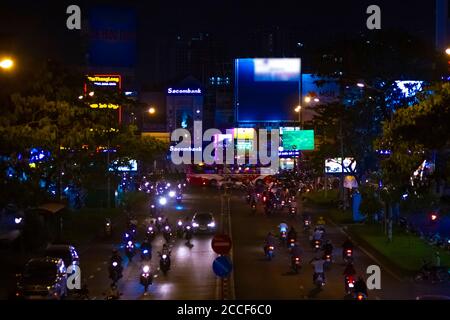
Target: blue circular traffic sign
{"x": 222, "y": 266}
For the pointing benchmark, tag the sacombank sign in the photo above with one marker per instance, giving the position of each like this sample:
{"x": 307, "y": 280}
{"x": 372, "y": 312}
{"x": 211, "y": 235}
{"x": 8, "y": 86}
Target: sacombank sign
{"x": 184, "y": 91}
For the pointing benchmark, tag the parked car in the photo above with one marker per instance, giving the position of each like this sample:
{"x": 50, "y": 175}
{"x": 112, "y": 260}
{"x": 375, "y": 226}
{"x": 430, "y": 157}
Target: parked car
{"x": 43, "y": 278}
{"x": 66, "y": 252}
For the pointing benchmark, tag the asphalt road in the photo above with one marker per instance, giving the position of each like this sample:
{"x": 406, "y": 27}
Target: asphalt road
{"x": 258, "y": 278}
{"x": 191, "y": 275}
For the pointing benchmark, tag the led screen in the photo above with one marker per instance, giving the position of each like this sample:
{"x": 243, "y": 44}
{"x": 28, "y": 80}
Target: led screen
{"x": 267, "y": 90}
{"x": 333, "y": 165}
{"x": 298, "y": 140}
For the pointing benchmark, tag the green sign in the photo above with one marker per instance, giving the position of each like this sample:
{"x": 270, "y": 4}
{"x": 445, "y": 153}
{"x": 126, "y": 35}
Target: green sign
{"x": 298, "y": 140}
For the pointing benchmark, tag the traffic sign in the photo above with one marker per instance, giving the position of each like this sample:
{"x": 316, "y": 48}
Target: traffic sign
{"x": 221, "y": 244}
{"x": 222, "y": 266}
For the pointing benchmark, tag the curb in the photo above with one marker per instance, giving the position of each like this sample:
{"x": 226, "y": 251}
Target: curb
{"x": 366, "y": 252}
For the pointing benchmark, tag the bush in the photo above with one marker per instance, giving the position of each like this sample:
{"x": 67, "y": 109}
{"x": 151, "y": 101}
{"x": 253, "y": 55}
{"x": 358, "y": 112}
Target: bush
{"x": 370, "y": 201}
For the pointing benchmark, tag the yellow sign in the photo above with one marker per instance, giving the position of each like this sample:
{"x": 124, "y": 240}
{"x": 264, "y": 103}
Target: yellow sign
{"x": 244, "y": 133}
{"x": 104, "y": 106}
{"x": 104, "y": 79}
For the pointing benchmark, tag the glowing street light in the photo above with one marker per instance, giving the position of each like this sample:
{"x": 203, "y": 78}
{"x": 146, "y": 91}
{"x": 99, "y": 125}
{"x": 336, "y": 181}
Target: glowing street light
{"x": 447, "y": 51}
{"x": 151, "y": 110}
{"x": 6, "y": 63}
{"x": 307, "y": 99}
{"x": 298, "y": 109}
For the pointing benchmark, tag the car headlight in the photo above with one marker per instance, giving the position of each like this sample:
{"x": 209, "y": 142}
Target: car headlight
{"x": 212, "y": 224}
{"x": 195, "y": 224}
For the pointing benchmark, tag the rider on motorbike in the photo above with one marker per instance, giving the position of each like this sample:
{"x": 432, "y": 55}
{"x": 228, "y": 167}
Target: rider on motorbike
{"x": 328, "y": 248}
{"x": 360, "y": 286}
{"x": 318, "y": 263}
{"x": 347, "y": 245}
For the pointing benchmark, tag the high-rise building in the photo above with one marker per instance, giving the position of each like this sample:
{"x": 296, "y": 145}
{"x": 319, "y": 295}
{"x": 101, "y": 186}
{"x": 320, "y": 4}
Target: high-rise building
{"x": 442, "y": 24}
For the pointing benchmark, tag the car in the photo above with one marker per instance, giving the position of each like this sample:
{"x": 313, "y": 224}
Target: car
{"x": 43, "y": 278}
{"x": 203, "y": 222}
{"x": 66, "y": 252}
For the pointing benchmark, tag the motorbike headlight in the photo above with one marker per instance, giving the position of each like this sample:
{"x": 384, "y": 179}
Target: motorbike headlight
{"x": 162, "y": 201}
{"x": 180, "y": 223}
{"x": 172, "y": 194}
{"x": 212, "y": 224}
{"x": 164, "y": 256}
{"x": 114, "y": 264}
{"x": 146, "y": 269}
{"x": 195, "y": 224}
{"x": 145, "y": 251}
{"x": 18, "y": 220}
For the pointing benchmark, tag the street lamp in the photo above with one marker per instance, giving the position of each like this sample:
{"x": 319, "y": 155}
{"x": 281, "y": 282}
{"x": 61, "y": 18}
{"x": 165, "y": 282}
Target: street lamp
{"x": 447, "y": 51}
{"x": 6, "y": 63}
{"x": 151, "y": 110}
{"x": 307, "y": 99}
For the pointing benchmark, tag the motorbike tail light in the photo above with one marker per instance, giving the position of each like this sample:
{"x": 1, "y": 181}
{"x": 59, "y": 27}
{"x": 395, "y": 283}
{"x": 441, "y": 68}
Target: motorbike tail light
{"x": 350, "y": 285}
{"x": 360, "y": 297}
{"x": 349, "y": 251}
{"x": 271, "y": 248}
{"x": 297, "y": 259}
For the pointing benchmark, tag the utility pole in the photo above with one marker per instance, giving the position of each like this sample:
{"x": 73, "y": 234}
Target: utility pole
{"x": 341, "y": 183}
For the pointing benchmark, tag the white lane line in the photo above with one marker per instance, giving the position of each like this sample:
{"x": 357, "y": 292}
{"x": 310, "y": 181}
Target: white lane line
{"x": 99, "y": 269}
{"x": 91, "y": 276}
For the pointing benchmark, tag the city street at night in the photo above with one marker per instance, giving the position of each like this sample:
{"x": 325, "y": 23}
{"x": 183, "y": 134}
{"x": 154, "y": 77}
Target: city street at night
{"x": 224, "y": 158}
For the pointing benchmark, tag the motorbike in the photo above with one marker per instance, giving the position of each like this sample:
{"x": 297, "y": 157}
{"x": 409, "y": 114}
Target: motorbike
{"x": 317, "y": 244}
{"x": 348, "y": 255}
{"x": 146, "y": 254}
{"x": 152, "y": 209}
{"x": 306, "y": 225}
{"x": 292, "y": 211}
{"x": 247, "y": 198}
{"x": 115, "y": 271}
{"x": 150, "y": 234}
{"x": 268, "y": 251}
{"x": 179, "y": 198}
{"x": 283, "y": 237}
{"x": 146, "y": 278}
{"x": 128, "y": 236}
{"x": 328, "y": 258}
{"x": 291, "y": 242}
{"x": 167, "y": 234}
{"x": 159, "y": 223}
{"x": 295, "y": 264}
{"x": 432, "y": 273}
{"x": 108, "y": 228}
{"x": 164, "y": 263}
{"x": 359, "y": 296}
{"x": 129, "y": 250}
{"x": 349, "y": 284}
{"x": 180, "y": 229}
{"x": 188, "y": 235}
{"x": 320, "y": 281}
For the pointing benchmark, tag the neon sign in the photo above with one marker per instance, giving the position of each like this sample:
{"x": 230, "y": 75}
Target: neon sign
{"x": 104, "y": 80}
{"x": 184, "y": 91}
{"x": 104, "y": 106}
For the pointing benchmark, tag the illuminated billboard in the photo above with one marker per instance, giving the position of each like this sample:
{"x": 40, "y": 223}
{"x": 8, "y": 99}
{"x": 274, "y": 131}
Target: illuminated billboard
{"x": 297, "y": 140}
{"x": 333, "y": 165}
{"x": 267, "y": 90}
{"x": 104, "y": 80}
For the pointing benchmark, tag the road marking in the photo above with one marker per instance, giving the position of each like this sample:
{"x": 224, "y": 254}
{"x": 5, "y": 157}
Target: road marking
{"x": 91, "y": 276}
{"x": 105, "y": 262}
{"x": 99, "y": 269}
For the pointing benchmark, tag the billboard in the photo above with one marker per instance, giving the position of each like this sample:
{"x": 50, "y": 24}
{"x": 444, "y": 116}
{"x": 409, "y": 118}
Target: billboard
{"x": 267, "y": 90}
{"x": 297, "y": 140}
{"x": 333, "y": 165}
{"x": 112, "y": 36}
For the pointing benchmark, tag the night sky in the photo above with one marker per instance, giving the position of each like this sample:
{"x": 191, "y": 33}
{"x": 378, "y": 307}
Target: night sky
{"x": 38, "y": 27}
